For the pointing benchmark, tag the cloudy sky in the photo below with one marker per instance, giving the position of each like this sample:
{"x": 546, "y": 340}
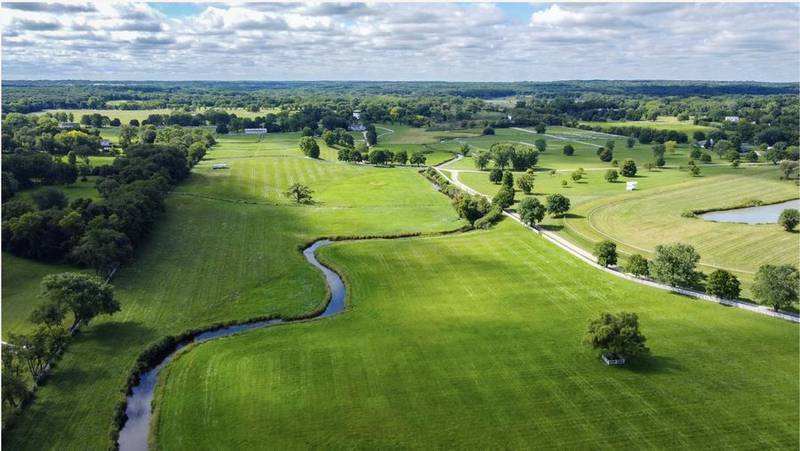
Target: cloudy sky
{"x": 408, "y": 41}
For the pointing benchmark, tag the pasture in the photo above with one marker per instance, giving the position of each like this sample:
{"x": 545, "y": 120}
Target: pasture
{"x": 211, "y": 259}
{"x": 661, "y": 123}
{"x": 638, "y": 221}
{"x": 487, "y": 351}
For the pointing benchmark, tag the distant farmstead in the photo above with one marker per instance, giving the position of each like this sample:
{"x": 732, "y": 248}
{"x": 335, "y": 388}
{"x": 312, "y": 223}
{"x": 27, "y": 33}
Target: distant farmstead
{"x": 731, "y": 118}
{"x": 254, "y": 131}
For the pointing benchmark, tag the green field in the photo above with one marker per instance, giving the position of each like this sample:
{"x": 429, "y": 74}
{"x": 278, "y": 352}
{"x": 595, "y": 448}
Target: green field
{"x": 445, "y": 335}
{"x": 474, "y": 341}
{"x": 208, "y": 261}
{"x": 662, "y": 123}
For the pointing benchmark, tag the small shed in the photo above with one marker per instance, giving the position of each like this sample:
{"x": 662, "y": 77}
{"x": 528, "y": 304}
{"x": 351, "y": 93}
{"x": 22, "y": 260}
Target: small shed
{"x": 357, "y": 115}
{"x": 631, "y": 185}
{"x": 219, "y": 166}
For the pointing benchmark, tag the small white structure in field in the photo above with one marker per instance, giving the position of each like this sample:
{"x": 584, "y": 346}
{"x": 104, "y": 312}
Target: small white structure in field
{"x": 68, "y": 125}
{"x": 631, "y": 185}
{"x": 254, "y": 131}
{"x": 219, "y": 166}
{"x": 732, "y": 118}
{"x": 106, "y": 145}
{"x": 357, "y": 115}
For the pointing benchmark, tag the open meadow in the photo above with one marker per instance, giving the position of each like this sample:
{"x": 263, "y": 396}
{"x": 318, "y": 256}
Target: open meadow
{"x": 661, "y": 123}
{"x": 211, "y": 260}
{"x": 486, "y": 351}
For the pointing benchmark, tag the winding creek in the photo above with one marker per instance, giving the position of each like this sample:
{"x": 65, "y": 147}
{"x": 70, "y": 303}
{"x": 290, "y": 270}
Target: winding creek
{"x": 134, "y": 433}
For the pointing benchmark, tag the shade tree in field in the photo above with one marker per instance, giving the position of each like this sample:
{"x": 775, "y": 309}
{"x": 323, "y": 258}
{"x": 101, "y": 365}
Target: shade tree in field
{"x": 611, "y": 175}
{"x": 605, "y": 154}
{"x": 83, "y": 295}
{"x": 36, "y": 349}
{"x": 495, "y": 175}
{"x": 674, "y": 264}
{"x": 465, "y": 149}
{"x": 102, "y": 248}
{"x": 487, "y": 131}
{"x": 531, "y": 211}
{"x": 299, "y": 193}
{"x": 569, "y": 150}
{"x": 557, "y": 204}
{"x": 789, "y": 219}
{"x": 525, "y": 181}
{"x": 540, "y": 128}
{"x": 628, "y": 168}
{"x": 630, "y": 142}
{"x": 606, "y": 253}
{"x": 471, "y": 207}
{"x": 638, "y": 266}
{"x": 723, "y": 284}
{"x": 504, "y": 198}
{"x": 541, "y": 145}
{"x": 380, "y": 156}
{"x": 418, "y": 158}
{"x": 610, "y": 144}
{"x": 507, "y": 180}
{"x": 482, "y": 160}
{"x": 401, "y": 157}
{"x": 790, "y": 170}
{"x": 309, "y": 147}
{"x": 616, "y": 335}
{"x": 519, "y": 157}
{"x": 776, "y": 286}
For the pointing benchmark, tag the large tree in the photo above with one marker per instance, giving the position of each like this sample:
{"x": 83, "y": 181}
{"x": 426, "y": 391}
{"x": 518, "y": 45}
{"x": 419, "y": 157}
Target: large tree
{"x": 674, "y": 264}
{"x": 776, "y": 285}
{"x": 723, "y": 284}
{"x": 309, "y": 147}
{"x": 789, "y": 219}
{"x": 606, "y": 253}
{"x": 526, "y": 180}
{"x": 15, "y": 388}
{"x": 617, "y": 335}
{"x": 557, "y": 204}
{"x": 299, "y": 193}
{"x": 482, "y": 160}
{"x": 638, "y": 266}
{"x": 103, "y": 249}
{"x": 531, "y": 211}
{"x": 38, "y": 348}
{"x": 83, "y": 295}
{"x": 471, "y": 207}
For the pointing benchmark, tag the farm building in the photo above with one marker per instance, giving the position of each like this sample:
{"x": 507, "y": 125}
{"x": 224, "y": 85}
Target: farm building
{"x": 68, "y": 125}
{"x": 357, "y": 115}
{"x": 106, "y": 145}
{"x": 219, "y": 166}
{"x": 732, "y": 119}
{"x": 631, "y": 185}
{"x": 254, "y": 131}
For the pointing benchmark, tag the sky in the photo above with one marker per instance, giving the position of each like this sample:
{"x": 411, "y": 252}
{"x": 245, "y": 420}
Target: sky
{"x": 401, "y": 41}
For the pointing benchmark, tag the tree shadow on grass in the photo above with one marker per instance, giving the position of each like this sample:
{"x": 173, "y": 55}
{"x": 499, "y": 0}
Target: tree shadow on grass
{"x": 650, "y": 364}
{"x": 111, "y": 335}
{"x": 573, "y": 216}
{"x": 551, "y": 227}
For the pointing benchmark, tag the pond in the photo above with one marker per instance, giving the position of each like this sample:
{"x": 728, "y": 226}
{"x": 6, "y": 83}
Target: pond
{"x": 765, "y": 214}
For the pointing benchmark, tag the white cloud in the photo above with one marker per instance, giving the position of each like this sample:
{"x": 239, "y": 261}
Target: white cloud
{"x": 402, "y": 41}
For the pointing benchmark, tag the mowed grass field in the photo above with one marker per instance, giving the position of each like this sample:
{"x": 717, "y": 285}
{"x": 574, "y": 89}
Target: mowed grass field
{"x": 473, "y": 341}
{"x": 584, "y": 142}
{"x": 661, "y": 123}
{"x": 640, "y": 220}
{"x": 207, "y": 261}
